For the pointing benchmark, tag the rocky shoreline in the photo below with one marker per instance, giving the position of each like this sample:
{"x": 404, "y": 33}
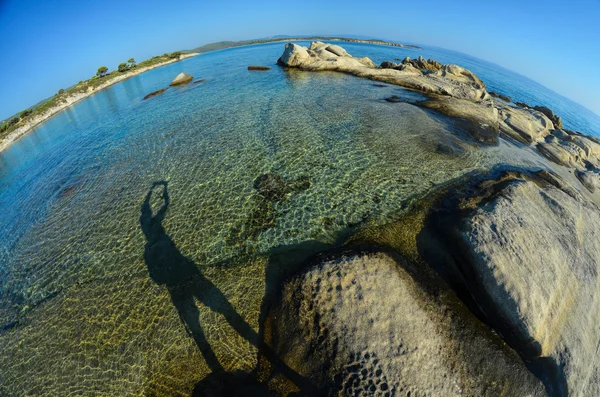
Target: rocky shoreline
{"x": 518, "y": 247}
{"x": 72, "y": 99}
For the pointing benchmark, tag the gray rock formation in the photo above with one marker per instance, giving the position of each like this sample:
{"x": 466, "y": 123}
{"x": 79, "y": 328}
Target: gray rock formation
{"x": 181, "y": 79}
{"x": 574, "y": 151}
{"x": 421, "y": 64}
{"x": 550, "y": 114}
{"x": 449, "y": 80}
{"x": 480, "y": 120}
{"x": 589, "y": 179}
{"x": 528, "y": 253}
{"x": 361, "y": 324}
{"x": 388, "y": 65}
{"x": 500, "y": 96}
{"x": 525, "y": 125}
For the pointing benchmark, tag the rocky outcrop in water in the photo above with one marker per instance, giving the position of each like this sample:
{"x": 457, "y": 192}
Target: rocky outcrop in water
{"x": 364, "y": 324}
{"x": 155, "y": 93}
{"x": 181, "y": 79}
{"x": 527, "y": 250}
{"x": 550, "y": 114}
{"x": 449, "y": 80}
{"x": 453, "y": 91}
{"x": 422, "y": 64}
{"x": 258, "y": 68}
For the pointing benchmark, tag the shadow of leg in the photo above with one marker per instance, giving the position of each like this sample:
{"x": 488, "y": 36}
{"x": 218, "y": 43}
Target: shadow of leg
{"x": 190, "y": 316}
{"x": 207, "y": 293}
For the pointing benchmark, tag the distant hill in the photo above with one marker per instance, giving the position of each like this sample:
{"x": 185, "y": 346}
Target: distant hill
{"x": 220, "y": 45}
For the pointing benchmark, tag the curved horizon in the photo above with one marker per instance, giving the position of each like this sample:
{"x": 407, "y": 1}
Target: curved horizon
{"x": 52, "y": 46}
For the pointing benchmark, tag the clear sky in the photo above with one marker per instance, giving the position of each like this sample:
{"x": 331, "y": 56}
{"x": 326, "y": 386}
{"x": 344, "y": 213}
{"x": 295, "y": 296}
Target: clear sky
{"x": 48, "y": 45}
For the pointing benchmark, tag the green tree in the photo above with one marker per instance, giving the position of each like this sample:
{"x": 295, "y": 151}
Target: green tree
{"x": 123, "y": 67}
{"x": 131, "y": 62}
{"x": 61, "y": 91}
{"x": 102, "y": 71}
{"x": 3, "y": 127}
{"x": 25, "y": 113}
{"x": 175, "y": 55}
{"x": 13, "y": 121}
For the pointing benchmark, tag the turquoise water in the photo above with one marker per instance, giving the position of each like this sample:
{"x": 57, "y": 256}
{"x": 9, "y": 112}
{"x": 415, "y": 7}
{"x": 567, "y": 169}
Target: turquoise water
{"x": 77, "y": 305}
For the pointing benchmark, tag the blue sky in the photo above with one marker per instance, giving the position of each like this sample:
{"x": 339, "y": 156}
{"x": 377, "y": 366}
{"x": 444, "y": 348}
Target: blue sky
{"x": 48, "y": 45}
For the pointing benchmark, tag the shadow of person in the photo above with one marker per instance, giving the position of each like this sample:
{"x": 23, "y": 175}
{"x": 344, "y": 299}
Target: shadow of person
{"x": 169, "y": 267}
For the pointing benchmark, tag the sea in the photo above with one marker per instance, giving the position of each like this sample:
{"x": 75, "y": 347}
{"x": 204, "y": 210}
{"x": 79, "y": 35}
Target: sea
{"x": 103, "y": 198}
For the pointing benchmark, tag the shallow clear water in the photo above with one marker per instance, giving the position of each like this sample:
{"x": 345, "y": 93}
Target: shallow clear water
{"x": 76, "y": 302}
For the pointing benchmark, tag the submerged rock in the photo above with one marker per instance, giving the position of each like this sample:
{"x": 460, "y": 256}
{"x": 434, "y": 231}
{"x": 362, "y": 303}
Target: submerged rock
{"x": 155, "y": 93}
{"x": 528, "y": 253}
{"x": 275, "y": 187}
{"x": 258, "y": 68}
{"x": 394, "y": 99}
{"x": 270, "y": 186}
{"x": 362, "y": 324}
{"x": 181, "y": 79}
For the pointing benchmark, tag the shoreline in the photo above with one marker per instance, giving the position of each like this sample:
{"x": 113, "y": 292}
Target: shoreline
{"x": 71, "y": 100}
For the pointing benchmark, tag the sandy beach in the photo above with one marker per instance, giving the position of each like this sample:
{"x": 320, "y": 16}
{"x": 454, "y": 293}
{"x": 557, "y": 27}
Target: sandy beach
{"x": 70, "y": 100}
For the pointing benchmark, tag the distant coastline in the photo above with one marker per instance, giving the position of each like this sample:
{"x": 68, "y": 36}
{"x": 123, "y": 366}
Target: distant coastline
{"x": 85, "y": 89}
{"x": 221, "y": 45}
{"x": 66, "y": 100}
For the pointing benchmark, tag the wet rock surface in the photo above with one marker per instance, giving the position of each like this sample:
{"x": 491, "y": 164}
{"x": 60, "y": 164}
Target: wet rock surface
{"x": 368, "y": 323}
{"x": 258, "y": 68}
{"x": 155, "y": 93}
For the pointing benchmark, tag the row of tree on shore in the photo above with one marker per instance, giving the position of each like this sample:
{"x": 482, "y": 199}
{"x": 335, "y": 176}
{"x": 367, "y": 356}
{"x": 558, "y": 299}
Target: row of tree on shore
{"x": 130, "y": 64}
{"x": 101, "y": 73}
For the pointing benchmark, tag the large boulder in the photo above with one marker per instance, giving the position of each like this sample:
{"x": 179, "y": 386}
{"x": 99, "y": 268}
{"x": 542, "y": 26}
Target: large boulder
{"x": 181, "y": 79}
{"x": 294, "y": 55}
{"x": 527, "y": 254}
{"x": 362, "y": 324}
